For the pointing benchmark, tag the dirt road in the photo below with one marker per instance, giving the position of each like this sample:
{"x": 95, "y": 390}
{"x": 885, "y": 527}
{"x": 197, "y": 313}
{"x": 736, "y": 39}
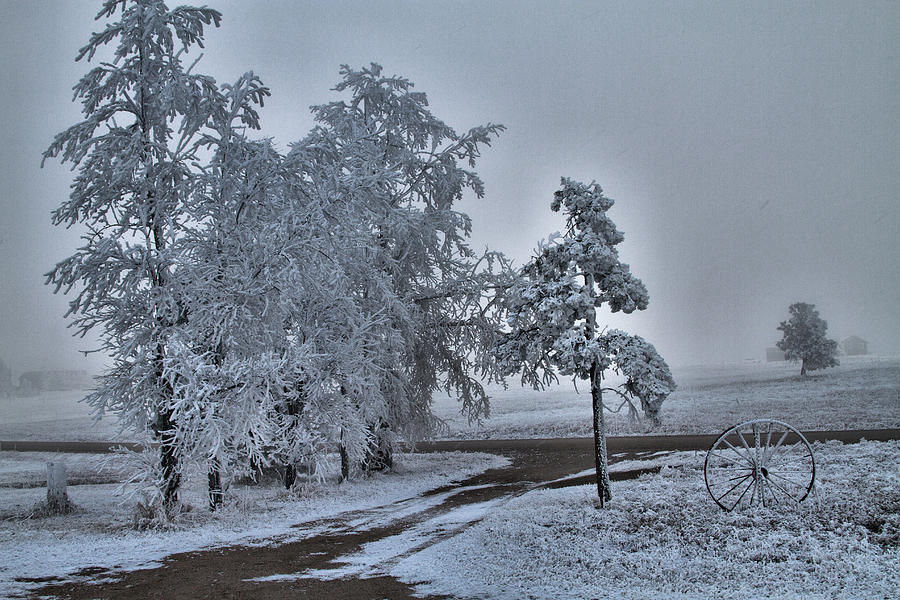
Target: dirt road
{"x": 648, "y": 443}
{"x": 343, "y": 570}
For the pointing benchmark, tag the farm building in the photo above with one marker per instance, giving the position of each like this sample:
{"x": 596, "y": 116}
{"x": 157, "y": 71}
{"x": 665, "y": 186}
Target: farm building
{"x": 774, "y": 354}
{"x": 32, "y": 382}
{"x": 854, "y": 346}
{"x": 6, "y": 387}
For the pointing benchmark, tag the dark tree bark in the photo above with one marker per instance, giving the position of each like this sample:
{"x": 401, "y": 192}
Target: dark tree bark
{"x": 345, "y": 463}
{"x": 600, "y": 459}
{"x": 216, "y": 494}
{"x": 290, "y": 476}
{"x": 168, "y": 461}
{"x": 380, "y": 456}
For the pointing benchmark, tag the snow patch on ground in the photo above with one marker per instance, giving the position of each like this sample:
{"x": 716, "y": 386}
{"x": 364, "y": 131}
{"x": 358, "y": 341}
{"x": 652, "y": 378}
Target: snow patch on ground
{"x": 662, "y": 537}
{"x": 378, "y": 556}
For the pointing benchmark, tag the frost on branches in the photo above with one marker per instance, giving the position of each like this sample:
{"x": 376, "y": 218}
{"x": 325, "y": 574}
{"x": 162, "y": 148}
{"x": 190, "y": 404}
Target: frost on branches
{"x": 145, "y": 121}
{"x": 398, "y": 170}
{"x": 647, "y": 376}
{"x": 553, "y": 315}
{"x": 804, "y": 339}
{"x": 263, "y": 308}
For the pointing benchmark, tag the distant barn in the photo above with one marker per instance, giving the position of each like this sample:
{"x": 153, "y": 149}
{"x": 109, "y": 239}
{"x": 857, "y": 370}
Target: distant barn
{"x": 6, "y": 386}
{"x": 32, "y": 382}
{"x": 774, "y": 355}
{"x": 855, "y": 346}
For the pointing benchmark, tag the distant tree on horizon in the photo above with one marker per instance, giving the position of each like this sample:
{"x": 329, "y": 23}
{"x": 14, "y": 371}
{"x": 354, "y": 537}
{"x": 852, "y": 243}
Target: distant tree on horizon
{"x": 804, "y": 339}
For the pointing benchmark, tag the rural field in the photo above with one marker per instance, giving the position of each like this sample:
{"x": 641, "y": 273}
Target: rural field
{"x": 862, "y": 393}
{"x": 288, "y": 239}
{"x": 661, "y": 537}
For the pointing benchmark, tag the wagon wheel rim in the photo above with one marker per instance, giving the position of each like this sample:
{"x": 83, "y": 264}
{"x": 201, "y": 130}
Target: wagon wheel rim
{"x": 761, "y": 462}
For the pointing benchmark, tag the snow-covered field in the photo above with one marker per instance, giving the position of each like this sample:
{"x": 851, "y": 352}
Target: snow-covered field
{"x": 663, "y": 538}
{"x": 862, "y": 393}
{"x": 56, "y": 416}
{"x": 102, "y": 533}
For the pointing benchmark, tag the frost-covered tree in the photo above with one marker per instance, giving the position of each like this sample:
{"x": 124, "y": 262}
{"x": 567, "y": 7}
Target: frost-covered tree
{"x": 647, "y": 376}
{"x": 400, "y": 171}
{"x": 804, "y": 339}
{"x": 146, "y": 122}
{"x": 276, "y": 341}
{"x": 553, "y": 315}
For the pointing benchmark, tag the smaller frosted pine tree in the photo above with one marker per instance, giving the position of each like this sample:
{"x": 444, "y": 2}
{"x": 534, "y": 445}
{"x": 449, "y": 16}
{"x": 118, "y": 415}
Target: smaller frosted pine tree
{"x": 553, "y": 315}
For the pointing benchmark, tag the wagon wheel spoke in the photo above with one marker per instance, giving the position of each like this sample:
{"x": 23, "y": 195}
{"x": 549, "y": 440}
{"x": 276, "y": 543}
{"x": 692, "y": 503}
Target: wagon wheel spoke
{"x": 783, "y": 490}
{"x": 786, "y": 480}
{"x": 734, "y": 487}
{"x": 768, "y": 484}
{"x": 787, "y": 451}
{"x": 730, "y": 479}
{"x": 730, "y": 462}
{"x": 738, "y": 501}
{"x": 773, "y": 448}
{"x": 743, "y": 456}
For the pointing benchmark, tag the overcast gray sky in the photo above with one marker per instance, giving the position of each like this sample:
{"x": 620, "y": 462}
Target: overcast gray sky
{"x": 753, "y": 148}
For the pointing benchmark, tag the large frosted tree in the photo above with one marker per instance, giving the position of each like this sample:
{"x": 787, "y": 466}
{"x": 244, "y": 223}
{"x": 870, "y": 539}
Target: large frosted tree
{"x": 553, "y": 315}
{"x": 277, "y": 346}
{"x": 146, "y": 118}
{"x": 804, "y": 339}
{"x": 400, "y": 171}
{"x": 258, "y": 307}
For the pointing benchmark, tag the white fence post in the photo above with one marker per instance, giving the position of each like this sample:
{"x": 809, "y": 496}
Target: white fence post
{"x": 57, "y": 498}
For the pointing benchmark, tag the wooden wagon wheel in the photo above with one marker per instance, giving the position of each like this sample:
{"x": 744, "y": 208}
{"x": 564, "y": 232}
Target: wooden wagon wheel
{"x": 761, "y": 462}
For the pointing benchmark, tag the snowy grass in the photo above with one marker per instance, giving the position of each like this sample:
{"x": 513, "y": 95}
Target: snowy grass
{"x": 662, "y": 537}
{"x": 862, "y": 393}
{"x": 54, "y": 416}
{"x": 101, "y": 533}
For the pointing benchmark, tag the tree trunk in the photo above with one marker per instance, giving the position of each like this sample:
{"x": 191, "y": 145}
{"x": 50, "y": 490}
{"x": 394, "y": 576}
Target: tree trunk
{"x": 255, "y": 469}
{"x": 603, "y": 484}
{"x": 216, "y": 495}
{"x": 345, "y": 463}
{"x": 290, "y": 476}
{"x": 380, "y": 455}
{"x": 168, "y": 461}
